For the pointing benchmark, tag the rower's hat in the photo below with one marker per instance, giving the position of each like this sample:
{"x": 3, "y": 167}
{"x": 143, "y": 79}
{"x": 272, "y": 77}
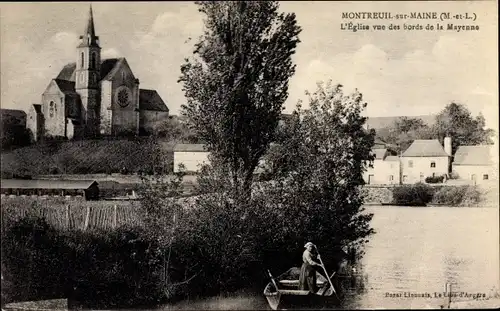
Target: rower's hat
{"x": 308, "y": 244}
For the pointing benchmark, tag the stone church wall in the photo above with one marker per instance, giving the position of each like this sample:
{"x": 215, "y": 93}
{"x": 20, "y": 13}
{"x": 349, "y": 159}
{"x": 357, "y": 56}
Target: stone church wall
{"x": 54, "y": 112}
{"x": 124, "y": 119}
{"x": 106, "y": 113}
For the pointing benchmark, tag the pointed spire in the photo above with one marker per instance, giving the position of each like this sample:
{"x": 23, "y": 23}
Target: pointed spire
{"x": 89, "y": 38}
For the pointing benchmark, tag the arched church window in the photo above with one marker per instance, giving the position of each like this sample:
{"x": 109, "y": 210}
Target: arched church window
{"x": 82, "y": 60}
{"x": 52, "y": 109}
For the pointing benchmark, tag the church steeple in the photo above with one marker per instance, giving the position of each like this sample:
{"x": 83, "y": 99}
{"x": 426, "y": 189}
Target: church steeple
{"x": 89, "y": 38}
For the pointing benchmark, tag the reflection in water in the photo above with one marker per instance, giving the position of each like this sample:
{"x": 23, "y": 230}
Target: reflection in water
{"x": 414, "y": 252}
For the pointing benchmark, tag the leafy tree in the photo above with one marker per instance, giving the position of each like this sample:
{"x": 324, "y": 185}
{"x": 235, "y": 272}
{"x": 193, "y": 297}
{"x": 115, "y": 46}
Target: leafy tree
{"x": 14, "y": 133}
{"x": 403, "y": 132}
{"x": 318, "y": 169}
{"x": 237, "y": 82}
{"x": 457, "y": 122}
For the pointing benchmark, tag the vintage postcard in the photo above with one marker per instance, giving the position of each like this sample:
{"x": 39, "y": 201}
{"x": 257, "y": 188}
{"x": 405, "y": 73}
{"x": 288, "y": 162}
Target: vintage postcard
{"x": 249, "y": 155}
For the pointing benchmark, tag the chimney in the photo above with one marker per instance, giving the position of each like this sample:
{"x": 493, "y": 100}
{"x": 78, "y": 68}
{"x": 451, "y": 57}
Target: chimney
{"x": 447, "y": 145}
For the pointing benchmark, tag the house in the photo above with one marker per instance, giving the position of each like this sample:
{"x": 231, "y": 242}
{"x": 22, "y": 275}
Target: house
{"x": 385, "y": 168}
{"x": 87, "y": 189}
{"x": 475, "y": 163}
{"x": 424, "y": 158}
{"x": 192, "y": 156}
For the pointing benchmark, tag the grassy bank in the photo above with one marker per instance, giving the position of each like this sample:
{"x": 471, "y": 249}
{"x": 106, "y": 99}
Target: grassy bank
{"x": 89, "y": 157}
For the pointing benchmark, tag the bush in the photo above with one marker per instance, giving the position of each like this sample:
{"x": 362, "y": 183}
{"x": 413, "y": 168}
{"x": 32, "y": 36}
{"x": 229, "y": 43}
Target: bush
{"x": 412, "y": 195}
{"x": 434, "y": 179}
{"x": 97, "y": 269}
{"x": 457, "y": 196}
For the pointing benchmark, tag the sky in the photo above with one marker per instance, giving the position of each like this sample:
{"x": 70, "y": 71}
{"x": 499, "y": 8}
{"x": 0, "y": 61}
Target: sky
{"x": 398, "y": 72}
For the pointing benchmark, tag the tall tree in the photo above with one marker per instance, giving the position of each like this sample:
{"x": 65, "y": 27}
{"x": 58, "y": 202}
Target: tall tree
{"x": 456, "y": 121}
{"x": 319, "y": 167}
{"x": 237, "y": 81}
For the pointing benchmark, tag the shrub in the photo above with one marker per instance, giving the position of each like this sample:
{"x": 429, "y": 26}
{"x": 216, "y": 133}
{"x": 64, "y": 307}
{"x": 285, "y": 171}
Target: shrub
{"x": 457, "y": 196}
{"x": 97, "y": 269}
{"x": 434, "y": 179}
{"x": 418, "y": 194}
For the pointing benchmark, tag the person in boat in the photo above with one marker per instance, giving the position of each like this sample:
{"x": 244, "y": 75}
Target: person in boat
{"x": 310, "y": 265}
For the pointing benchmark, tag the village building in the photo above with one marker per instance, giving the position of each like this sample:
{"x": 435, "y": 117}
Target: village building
{"x": 191, "y": 156}
{"x": 384, "y": 170}
{"x": 475, "y": 164}
{"x": 95, "y": 96}
{"x": 87, "y": 189}
{"x": 425, "y": 158}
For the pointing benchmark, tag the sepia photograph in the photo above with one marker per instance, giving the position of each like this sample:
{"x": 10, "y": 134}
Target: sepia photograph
{"x": 249, "y": 155}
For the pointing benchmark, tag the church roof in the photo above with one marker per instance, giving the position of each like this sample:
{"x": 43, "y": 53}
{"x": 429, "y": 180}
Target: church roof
{"x": 68, "y": 71}
{"x": 38, "y": 108}
{"x": 89, "y": 38}
{"x": 67, "y": 87}
{"x": 151, "y": 100}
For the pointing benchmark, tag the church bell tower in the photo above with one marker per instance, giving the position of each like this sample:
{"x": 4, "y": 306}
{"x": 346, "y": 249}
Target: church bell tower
{"x": 87, "y": 76}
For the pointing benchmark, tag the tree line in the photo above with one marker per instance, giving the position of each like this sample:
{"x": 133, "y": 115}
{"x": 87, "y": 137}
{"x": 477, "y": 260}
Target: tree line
{"x": 455, "y": 121}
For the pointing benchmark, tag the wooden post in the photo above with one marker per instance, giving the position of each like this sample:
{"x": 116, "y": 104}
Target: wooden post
{"x": 68, "y": 224}
{"x": 115, "y": 216}
{"x": 87, "y": 218}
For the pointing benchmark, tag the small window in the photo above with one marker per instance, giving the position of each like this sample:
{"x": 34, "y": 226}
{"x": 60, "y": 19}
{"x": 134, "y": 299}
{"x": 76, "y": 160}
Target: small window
{"x": 124, "y": 75}
{"x": 82, "y": 59}
{"x": 52, "y": 109}
{"x": 433, "y": 164}
{"x": 405, "y": 177}
{"x": 421, "y": 175}
{"x": 485, "y": 177}
{"x": 391, "y": 177}
{"x": 93, "y": 60}
{"x": 410, "y": 163}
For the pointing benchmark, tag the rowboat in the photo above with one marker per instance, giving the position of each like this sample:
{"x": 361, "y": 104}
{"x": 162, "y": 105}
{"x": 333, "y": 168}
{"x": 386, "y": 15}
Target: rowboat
{"x": 283, "y": 293}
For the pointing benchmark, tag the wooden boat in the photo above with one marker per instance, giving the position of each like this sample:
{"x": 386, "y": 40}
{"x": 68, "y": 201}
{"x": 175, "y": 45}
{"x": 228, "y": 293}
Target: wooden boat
{"x": 288, "y": 295}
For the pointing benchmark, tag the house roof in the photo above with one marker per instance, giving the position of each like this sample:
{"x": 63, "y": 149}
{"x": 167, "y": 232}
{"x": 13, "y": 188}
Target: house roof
{"x": 380, "y": 153}
{"x": 151, "y": 100}
{"x": 425, "y": 148}
{"x": 381, "y": 122}
{"x": 18, "y": 114}
{"x": 68, "y": 71}
{"x": 473, "y": 155}
{"x": 189, "y": 148}
{"x": 392, "y": 158}
{"x": 46, "y": 184}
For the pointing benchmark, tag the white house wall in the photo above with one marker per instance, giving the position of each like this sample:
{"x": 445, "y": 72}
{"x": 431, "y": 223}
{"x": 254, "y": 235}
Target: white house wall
{"x": 191, "y": 160}
{"x": 416, "y": 169}
{"x": 476, "y": 172}
{"x": 382, "y": 173}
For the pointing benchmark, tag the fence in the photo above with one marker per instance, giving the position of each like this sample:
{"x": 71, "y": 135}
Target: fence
{"x": 76, "y": 216}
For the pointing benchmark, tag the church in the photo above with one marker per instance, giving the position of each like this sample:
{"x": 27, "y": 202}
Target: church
{"x": 93, "y": 97}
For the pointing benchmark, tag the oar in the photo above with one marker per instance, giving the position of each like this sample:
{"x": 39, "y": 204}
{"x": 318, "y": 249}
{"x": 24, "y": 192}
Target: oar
{"x": 272, "y": 280}
{"x": 326, "y": 273}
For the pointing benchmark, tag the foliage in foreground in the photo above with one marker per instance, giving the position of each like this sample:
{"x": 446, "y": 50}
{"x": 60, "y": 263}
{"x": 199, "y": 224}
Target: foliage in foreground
{"x": 116, "y": 268}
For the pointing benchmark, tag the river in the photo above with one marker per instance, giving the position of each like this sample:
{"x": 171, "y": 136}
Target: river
{"x": 415, "y": 251}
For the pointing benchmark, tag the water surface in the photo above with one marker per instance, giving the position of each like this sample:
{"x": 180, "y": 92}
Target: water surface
{"x": 415, "y": 251}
